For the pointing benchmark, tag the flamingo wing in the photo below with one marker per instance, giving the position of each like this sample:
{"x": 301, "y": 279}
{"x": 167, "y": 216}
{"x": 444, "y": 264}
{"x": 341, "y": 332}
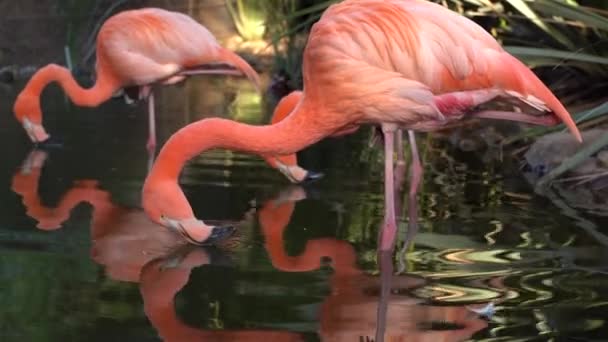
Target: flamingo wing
{"x": 460, "y": 55}
{"x": 414, "y": 49}
{"x": 148, "y": 45}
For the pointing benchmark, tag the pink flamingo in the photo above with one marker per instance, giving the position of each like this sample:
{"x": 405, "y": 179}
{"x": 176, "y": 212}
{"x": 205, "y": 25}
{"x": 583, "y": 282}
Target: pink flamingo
{"x": 288, "y": 165}
{"x": 136, "y": 48}
{"x": 131, "y": 248}
{"x": 400, "y": 64}
{"x": 349, "y": 311}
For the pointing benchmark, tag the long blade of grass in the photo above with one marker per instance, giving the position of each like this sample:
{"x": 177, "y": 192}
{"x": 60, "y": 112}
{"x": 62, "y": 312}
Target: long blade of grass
{"x": 571, "y": 12}
{"x": 296, "y": 28}
{"x": 552, "y": 54}
{"x": 523, "y": 7}
{"x": 573, "y": 161}
{"x": 320, "y": 7}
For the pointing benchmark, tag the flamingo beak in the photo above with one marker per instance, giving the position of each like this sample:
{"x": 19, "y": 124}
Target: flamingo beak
{"x": 196, "y": 231}
{"x": 296, "y": 174}
{"x": 35, "y": 131}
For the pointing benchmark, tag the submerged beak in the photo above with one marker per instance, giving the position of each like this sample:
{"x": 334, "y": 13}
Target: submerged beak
{"x": 311, "y": 176}
{"x": 296, "y": 174}
{"x": 196, "y": 231}
{"x": 35, "y": 131}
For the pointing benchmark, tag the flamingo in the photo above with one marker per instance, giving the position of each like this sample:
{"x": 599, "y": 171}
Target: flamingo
{"x": 288, "y": 164}
{"x": 133, "y": 249}
{"x": 350, "y": 286}
{"x": 137, "y": 48}
{"x": 399, "y": 64}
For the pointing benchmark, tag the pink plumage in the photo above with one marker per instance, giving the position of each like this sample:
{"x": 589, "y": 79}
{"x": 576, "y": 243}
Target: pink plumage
{"x": 135, "y": 48}
{"x": 399, "y": 64}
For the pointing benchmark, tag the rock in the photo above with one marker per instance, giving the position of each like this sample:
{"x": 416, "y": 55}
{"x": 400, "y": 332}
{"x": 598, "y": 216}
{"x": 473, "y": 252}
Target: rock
{"x": 583, "y": 193}
{"x": 589, "y": 166}
{"x": 7, "y": 74}
{"x": 552, "y": 149}
{"x": 469, "y": 145}
{"x": 602, "y": 156}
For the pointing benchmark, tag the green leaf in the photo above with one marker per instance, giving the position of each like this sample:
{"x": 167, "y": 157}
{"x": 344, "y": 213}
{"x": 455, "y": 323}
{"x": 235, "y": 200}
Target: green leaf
{"x": 523, "y": 7}
{"x": 320, "y": 7}
{"x": 525, "y": 52}
{"x": 584, "y": 16}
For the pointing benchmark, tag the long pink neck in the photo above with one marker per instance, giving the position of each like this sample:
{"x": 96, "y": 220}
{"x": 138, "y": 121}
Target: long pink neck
{"x": 300, "y": 129}
{"x": 103, "y": 89}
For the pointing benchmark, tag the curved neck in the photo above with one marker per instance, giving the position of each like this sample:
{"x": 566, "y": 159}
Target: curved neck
{"x": 299, "y": 130}
{"x": 26, "y": 185}
{"x": 103, "y": 89}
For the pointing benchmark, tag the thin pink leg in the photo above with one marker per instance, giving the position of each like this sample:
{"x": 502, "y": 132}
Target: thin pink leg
{"x": 389, "y": 229}
{"x": 400, "y": 162}
{"x": 385, "y": 259}
{"x": 399, "y": 142}
{"x": 412, "y": 202}
{"x": 151, "y": 145}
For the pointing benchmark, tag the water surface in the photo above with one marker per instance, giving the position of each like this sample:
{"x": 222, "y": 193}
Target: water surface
{"x": 81, "y": 262}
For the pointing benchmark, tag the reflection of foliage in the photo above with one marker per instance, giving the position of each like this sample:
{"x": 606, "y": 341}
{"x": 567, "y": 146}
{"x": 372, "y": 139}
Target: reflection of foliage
{"x": 262, "y": 297}
{"x": 52, "y": 295}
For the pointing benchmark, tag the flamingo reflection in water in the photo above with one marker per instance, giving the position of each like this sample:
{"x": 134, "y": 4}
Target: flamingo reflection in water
{"x": 134, "y": 249}
{"x": 361, "y": 306}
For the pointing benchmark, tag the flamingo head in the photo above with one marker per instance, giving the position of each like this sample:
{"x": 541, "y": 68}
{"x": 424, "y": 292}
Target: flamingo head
{"x": 27, "y": 111}
{"x": 295, "y": 173}
{"x": 165, "y": 203}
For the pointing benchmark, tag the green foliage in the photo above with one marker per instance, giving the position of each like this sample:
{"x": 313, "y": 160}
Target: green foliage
{"x": 287, "y": 42}
{"x": 248, "y": 17}
{"x": 569, "y": 34}
{"x": 561, "y": 32}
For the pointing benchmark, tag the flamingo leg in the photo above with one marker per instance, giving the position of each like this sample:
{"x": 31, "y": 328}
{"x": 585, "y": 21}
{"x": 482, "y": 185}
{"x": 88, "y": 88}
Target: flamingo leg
{"x": 400, "y": 152}
{"x": 416, "y": 172}
{"x": 151, "y": 145}
{"x": 151, "y": 154}
{"x": 389, "y": 229}
{"x": 400, "y": 165}
{"x": 386, "y": 277}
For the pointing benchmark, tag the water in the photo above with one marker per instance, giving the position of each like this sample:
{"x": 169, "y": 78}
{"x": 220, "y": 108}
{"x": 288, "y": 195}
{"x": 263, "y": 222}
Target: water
{"x": 81, "y": 262}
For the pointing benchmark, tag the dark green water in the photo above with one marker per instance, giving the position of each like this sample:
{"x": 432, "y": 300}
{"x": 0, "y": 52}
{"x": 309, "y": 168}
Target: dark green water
{"x": 306, "y": 267}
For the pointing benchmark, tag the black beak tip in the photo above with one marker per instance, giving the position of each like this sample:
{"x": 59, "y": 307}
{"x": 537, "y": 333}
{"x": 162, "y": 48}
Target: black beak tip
{"x": 312, "y": 176}
{"x": 219, "y": 234}
{"x": 50, "y": 143}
